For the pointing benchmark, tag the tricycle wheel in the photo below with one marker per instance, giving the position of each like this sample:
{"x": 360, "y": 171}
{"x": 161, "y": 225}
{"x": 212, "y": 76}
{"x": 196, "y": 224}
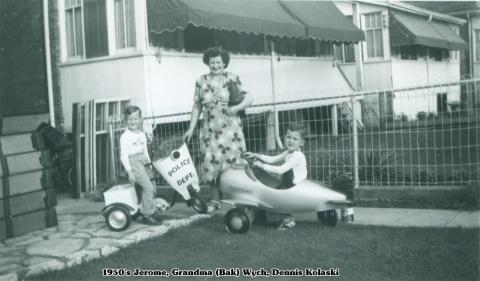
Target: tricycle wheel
{"x": 328, "y": 218}
{"x": 237, "y": 221}
{"x": 197, "y": 203}
{"x": 118, "y": 218}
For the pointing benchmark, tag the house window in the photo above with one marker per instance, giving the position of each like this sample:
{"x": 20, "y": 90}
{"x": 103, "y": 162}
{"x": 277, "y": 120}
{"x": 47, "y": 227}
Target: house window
{"x": 408, "y": 52}
{"x": 197, "y": 39}
{"x": 345, "y": 52}
{"x": 96, "y": 37}
{"x": 477, "y": 44}
{"x": 373, "y": 35}
{"x": 442, "y": 102}
{"x": 74, "y": 32}
{"x": 125, "y": 23}
{"x": 436, "y": 54}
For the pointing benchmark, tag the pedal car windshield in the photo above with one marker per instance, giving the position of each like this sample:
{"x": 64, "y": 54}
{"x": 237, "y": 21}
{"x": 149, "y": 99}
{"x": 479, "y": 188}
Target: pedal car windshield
{"x": 270, "y": 180}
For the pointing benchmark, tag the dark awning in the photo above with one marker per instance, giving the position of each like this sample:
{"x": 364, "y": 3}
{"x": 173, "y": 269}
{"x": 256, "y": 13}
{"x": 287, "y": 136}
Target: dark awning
{"x": 258, "y": 17}
{"x": 415, "y": 30}
{"x": 319, "y": 20}
{"x": 324, "y": 21}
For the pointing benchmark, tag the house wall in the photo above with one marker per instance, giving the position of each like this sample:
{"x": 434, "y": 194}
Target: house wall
{"x": 432, "y": 72}
{"x": 476, "y": 62}
{"x": 296, "y": 78}
{"x": 102, "y": 79}
{"x": 23, "y": 87}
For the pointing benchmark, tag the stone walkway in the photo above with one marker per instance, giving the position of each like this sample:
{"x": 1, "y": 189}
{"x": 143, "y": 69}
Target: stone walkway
{"x": 77, "y": 238}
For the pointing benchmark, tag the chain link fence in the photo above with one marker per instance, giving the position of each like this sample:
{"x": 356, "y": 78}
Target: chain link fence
{"x": 426, "y": 135}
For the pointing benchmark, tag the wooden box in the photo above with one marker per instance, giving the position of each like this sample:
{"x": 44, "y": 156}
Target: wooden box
{"x": 22, "y": 123}
{"x": 31, "y": 181}
{"x": 26, "y": 223}
{"x": 21, "y": 143}
{"x": 32, "y": 201}
{"x": 3, "y": 229}
{"x": 2, "y": 210}
{"x": 27, "y": 162}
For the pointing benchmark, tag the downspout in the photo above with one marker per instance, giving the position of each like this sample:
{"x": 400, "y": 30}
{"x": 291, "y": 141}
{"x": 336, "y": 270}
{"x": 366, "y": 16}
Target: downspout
{"x": 274, "y": 92}
{"x": 470, "y": 46}
{"x": 146, "y": 62}
{"x": 46, "y": 31}
{"x": 359, "y": 76}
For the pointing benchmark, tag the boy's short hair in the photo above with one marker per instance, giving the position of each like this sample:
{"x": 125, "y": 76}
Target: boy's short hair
{"x": 215, "y": 52}
{"x": 298, "y": 127}
{"x": 131, "y": 109}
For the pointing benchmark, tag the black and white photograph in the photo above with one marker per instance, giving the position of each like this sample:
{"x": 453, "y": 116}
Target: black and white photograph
{"x": 239, "y": 140}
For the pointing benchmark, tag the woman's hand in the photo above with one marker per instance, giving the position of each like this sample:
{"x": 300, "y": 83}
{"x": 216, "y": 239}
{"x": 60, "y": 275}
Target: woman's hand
{"x": 188, "y": 135}
{"x": 249, "y": 155}
{"x": 232, "y": 110}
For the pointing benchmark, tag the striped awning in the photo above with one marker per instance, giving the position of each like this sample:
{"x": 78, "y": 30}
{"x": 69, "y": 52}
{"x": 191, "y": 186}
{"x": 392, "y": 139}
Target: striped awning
{"x": 300, "y": 19}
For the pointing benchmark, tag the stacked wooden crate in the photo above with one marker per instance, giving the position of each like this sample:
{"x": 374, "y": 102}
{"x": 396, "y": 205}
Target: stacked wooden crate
{"x": 27, "y": 195}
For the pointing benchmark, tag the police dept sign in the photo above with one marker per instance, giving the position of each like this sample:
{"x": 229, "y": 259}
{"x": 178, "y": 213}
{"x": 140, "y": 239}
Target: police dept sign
{"x": 178, "y": 170}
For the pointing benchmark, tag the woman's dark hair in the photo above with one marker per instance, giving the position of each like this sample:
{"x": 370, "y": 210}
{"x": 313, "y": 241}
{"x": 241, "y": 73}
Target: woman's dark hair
{"x": 131, "y": 109}
{"x": 298, "y": 127}
{"x": 215, "y": 52}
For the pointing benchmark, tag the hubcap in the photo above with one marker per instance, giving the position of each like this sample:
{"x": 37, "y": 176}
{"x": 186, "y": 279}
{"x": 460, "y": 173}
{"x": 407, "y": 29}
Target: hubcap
{"x": 236, "y": 223}
{"x": 117, "y": 219}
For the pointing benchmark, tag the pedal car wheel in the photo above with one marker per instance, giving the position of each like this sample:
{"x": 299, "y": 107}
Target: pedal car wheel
{"x": 237, "y": 221}
{"x": 118, "y": 218}
{"x": 197, "y": 203}
{"x": 168, "y": 194}
{"x": 328, "y": 218}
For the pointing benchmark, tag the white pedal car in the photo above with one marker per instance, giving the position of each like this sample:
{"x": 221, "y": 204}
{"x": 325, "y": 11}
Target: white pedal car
{"x": 250, "y": 189}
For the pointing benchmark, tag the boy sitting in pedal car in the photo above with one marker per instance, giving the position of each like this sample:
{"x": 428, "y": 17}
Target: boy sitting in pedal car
{"x": 294, "y": 164}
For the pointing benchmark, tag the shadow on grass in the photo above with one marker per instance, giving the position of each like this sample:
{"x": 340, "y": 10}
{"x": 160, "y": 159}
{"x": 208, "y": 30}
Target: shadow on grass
{"x": 360, "y": 252}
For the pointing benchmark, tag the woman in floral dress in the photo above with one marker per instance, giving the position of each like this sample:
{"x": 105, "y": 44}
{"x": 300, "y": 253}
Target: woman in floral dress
{"x": 221, "y": 137}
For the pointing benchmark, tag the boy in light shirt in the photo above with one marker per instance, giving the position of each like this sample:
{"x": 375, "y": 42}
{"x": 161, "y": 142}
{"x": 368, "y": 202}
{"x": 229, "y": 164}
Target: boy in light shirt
{"x": 293, "y": 162}
{"x": 135, "y": 158}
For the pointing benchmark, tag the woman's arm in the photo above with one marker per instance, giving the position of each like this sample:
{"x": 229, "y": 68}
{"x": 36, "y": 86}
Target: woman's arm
{"x": 196, "y": 111}
{"x": 247, "y": 101}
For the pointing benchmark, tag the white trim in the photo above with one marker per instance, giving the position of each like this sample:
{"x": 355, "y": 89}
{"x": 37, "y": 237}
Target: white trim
{"x": 46, "y": 31}
{"x": 111, "y": 31}
{"x": 401, "y": 6}
{"x": 62, "y": 31}
{"x": 133, "y": 54}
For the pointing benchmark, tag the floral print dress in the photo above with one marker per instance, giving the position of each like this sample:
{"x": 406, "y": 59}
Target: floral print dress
{"x": 221, "y": 136}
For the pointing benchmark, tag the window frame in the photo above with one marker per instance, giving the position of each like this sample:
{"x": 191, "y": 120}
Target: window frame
{"x": 72, "y": 6}
{"x": 125, "y": 47}
{"x": 368, "y": 28}
{"x": 477, "y": 44}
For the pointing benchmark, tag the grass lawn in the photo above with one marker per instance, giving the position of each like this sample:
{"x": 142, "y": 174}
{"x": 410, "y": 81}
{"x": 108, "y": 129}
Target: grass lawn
{"x": 360, "y": 252}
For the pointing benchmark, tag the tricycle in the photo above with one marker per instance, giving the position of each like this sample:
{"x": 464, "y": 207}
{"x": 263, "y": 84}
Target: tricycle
{"x": 122, "y": 201}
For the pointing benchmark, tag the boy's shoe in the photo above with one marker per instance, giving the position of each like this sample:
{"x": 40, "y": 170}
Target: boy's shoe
{"x": 149, "y": 220}
{"x": 287, "y": 223}
{"x": 213, "y": 205}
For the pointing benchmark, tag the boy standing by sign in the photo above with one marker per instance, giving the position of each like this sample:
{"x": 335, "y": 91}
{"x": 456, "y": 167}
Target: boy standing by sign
{"x": 135, "y": 158}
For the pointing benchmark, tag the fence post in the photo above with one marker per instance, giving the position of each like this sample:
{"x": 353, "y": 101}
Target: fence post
{"x": 355, "y": 144}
